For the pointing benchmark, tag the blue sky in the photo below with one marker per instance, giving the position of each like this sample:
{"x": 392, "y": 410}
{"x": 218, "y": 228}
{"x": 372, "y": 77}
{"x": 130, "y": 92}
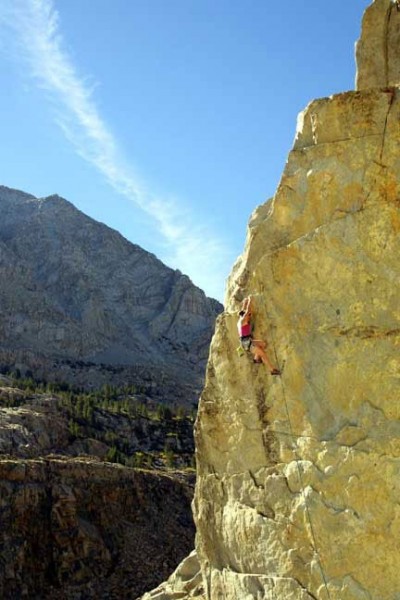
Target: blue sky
{"x": 168, "y": 120}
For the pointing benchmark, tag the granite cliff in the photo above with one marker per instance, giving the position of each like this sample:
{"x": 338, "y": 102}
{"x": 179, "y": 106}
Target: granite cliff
{"x": 297, "y": 480}
{"x": 79, "y": 303}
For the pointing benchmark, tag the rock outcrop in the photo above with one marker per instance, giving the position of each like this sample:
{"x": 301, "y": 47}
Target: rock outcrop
{"x": 35, "y": 424}
{"x": 80, "y": 303}
{"x": 75, "y": 528}
{"x": 185, "y": 582}
{"x": 298, "y": 476}
{"x": 377, "y": 51}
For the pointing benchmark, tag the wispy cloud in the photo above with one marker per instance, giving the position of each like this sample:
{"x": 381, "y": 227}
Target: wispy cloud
{"x": 189, "y": 247}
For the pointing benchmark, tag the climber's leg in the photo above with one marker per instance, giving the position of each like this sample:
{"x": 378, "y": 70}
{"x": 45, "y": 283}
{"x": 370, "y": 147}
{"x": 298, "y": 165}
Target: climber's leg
{"x": 257, "y": 349}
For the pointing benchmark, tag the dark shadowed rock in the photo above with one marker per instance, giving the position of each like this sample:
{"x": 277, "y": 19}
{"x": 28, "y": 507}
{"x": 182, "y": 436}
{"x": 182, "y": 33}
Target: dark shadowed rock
{"x": 80, "y": 529}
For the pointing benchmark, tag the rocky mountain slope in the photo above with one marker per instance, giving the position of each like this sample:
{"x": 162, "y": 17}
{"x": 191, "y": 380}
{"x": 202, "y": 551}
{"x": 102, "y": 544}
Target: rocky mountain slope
{"x": 297, "y": 489}
{"x": 79, "y": 303}
{"x": 78, "y": 528}
{"x": 73, "y": 524}
{"x": 109, "y": 425}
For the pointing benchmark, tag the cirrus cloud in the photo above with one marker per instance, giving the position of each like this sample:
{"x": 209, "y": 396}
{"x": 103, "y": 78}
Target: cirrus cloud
{"x": 39, "y": 43}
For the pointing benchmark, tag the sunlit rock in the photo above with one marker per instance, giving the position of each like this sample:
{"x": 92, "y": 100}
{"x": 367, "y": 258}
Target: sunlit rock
{"x": 298, "y": 475}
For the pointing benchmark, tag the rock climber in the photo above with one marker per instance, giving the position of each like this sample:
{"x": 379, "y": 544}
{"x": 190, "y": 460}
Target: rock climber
{"x": 245, "y": 330}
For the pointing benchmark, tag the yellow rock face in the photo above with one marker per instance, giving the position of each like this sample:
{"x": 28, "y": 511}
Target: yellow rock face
{"x": 299, "y": 475}
{"x": 377, "y": 51}
{"x": 298, "y": 487}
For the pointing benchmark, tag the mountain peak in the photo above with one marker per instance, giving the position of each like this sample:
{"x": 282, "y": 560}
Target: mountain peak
{"x": 75, "y": 290}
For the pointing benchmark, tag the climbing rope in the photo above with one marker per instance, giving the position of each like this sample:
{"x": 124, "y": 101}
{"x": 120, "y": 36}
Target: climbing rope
{"x": 296, "y": 455}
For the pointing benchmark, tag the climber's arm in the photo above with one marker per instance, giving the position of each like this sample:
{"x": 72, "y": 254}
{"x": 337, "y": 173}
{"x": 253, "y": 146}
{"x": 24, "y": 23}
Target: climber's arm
{"x": 247, "y": 306}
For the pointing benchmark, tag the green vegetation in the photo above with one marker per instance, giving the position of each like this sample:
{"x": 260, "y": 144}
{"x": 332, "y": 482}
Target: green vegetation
{"x": 129, "y": 427}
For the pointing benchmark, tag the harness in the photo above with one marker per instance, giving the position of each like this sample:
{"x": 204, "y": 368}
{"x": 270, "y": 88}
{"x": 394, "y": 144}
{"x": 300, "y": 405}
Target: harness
{"x": 245, "y": 342}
